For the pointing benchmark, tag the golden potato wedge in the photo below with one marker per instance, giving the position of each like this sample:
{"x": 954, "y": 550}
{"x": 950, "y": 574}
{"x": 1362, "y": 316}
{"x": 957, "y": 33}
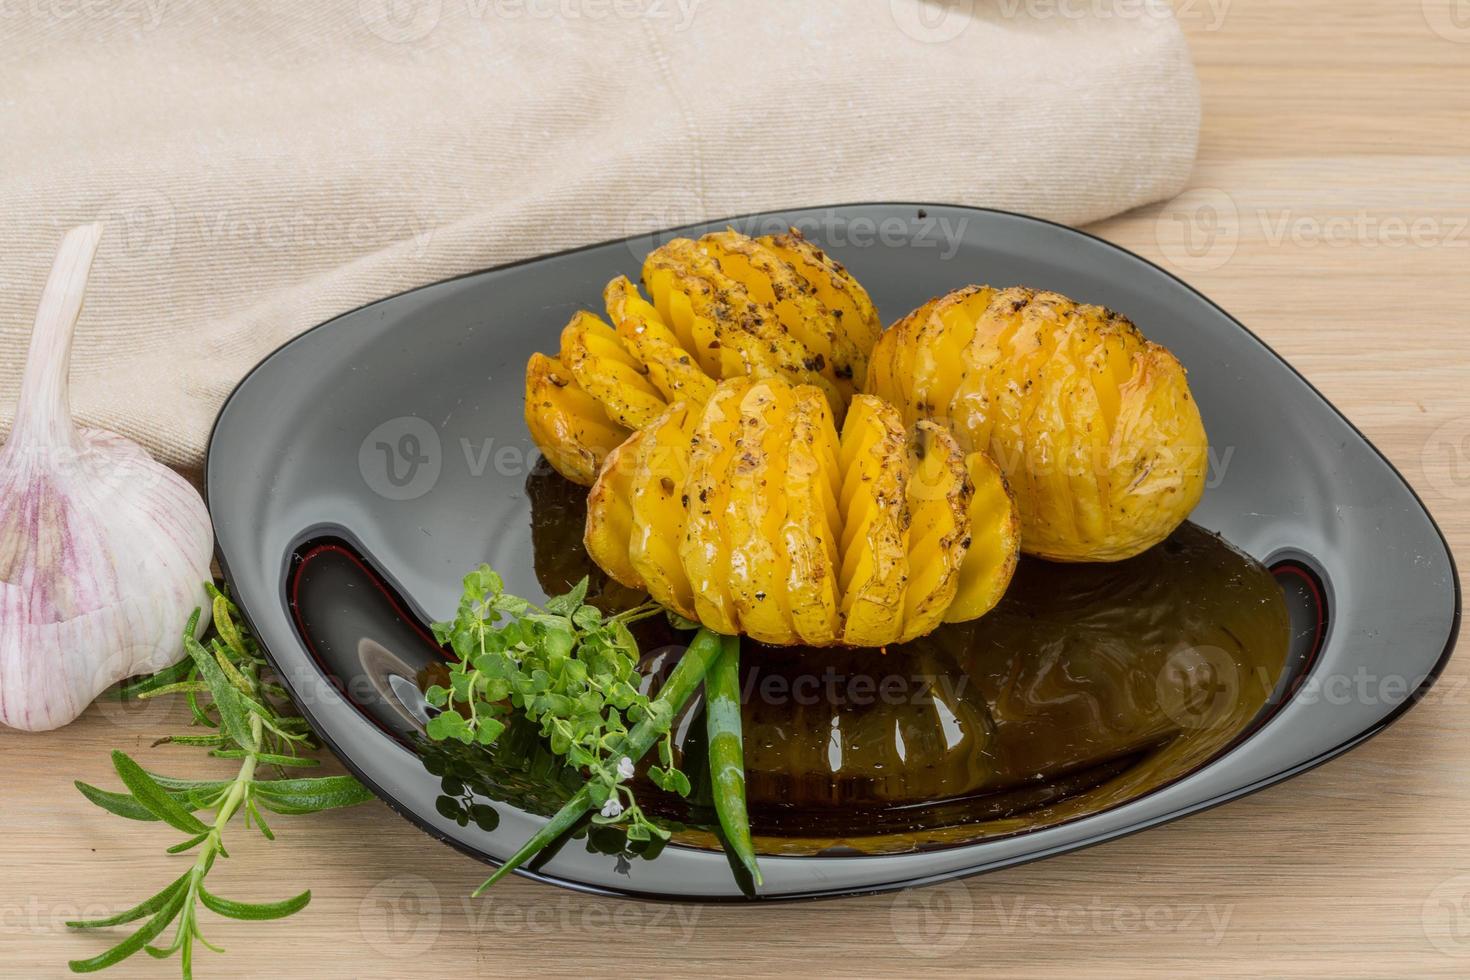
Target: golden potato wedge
{"x": 891, "y": 365}
{"x": 933, "y": 364}
{"x": 566, "y": 423}
{"x": 1151, "y": 490}
{"x": 756, "y": 514}
{"x": 665, "y": 280}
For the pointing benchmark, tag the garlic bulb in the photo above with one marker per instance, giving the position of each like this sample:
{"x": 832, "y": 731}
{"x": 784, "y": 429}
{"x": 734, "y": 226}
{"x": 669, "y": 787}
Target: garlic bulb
{"x": 103, "y": 551}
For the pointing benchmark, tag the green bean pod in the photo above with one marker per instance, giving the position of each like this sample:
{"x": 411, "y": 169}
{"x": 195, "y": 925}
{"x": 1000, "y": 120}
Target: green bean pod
{"x": 727, "y": 752}
{"x": 676, "y": 692}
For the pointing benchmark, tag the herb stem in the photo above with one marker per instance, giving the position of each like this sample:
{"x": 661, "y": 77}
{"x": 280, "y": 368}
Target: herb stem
{"x": 672, "y": 696}
{"x": 244, "y": 725}
{"x": 213, "y": 844}
{"x": 243, "y": 779}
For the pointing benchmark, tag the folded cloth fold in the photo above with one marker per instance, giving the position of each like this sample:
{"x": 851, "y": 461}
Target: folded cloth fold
{"x": 263, "y": 166}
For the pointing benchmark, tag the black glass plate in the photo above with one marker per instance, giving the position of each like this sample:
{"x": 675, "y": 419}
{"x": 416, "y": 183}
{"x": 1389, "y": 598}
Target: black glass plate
{"x": 358, "y": 471}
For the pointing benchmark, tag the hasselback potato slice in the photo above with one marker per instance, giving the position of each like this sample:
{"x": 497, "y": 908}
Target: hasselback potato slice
{"x": 835, "y": 289}
{"x": 753, "y": 515}
{"x": 723, "y": 306}
{"x": 942, "y": 528}
{"x": 1093, "y": 425}
{"x": 704, "y": 548}
{"x": 875, "y": 522}
{"x": 568, "y": 425}
{"x": 616, "y": 379}
{"x": 812, "y": 530}
{"x": 771, "y": 281}
{"x": 672, "y": 369}
{"x": 750, "y": 338}
{"x": 993, "y": 546}
{"x": 756, "y": 514}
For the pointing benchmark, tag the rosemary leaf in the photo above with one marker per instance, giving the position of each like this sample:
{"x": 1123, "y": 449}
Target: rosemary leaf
{"x": 219, "y": 680}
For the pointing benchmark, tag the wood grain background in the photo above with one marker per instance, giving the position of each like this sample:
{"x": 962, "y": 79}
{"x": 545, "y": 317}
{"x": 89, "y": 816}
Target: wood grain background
{"x": 1335, "y": 167}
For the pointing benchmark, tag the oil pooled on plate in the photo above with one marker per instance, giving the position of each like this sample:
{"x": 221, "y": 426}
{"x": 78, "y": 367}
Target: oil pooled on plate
{"x": 1088, "y": 686}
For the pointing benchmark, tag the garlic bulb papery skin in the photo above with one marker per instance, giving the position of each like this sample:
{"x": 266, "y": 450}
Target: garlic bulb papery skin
{"x": 103, "y": 551}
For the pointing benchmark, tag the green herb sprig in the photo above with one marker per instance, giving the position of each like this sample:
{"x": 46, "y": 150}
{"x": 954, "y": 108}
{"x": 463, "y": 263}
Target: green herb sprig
{"x": 676, "y": 691}
{"x": 239, "y": 714}
{"x": 567, "y": 668}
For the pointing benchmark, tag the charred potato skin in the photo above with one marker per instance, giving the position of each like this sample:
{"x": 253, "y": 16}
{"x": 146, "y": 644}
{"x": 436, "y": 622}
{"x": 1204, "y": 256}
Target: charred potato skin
{"x": 791, "y": 532}
{"x": 1093, "y": 425}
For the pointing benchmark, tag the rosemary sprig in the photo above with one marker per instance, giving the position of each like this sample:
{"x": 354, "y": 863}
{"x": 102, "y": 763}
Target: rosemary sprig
{"x": 240, "y": 715}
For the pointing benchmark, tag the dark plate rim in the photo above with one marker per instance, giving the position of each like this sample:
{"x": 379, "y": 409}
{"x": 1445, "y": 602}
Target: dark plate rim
{"x": 1381, "y": 724}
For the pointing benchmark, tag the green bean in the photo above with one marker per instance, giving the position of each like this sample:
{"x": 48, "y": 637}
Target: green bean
{"x": 675, "y": 692}
{"x": 727, "y": 753}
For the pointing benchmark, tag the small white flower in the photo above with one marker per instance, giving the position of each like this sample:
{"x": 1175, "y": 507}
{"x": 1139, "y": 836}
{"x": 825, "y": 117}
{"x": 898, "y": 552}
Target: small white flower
{"x": 613, "y": 807}
{"x": 625, "y": 769}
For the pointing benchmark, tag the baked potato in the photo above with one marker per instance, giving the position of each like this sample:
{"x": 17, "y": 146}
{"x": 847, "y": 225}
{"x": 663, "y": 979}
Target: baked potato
{"x": 725, "y": 306}
{"x": 752, "y": 513}
{"x": 1093, "y": 425}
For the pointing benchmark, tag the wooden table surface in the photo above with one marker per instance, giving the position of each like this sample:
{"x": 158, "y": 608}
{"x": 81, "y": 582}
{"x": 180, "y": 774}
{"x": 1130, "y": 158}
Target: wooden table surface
{"x": 1335, "y": 172}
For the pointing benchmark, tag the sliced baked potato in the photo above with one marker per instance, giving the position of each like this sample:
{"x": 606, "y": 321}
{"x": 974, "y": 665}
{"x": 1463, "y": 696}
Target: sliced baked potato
{"x": 1093, "y": 425}
{"x": 724, "y": 306}
{"x": 753, "y": 515}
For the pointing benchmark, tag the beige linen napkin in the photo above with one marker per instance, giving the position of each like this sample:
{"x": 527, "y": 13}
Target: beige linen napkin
{"x": 266, "y": 165}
